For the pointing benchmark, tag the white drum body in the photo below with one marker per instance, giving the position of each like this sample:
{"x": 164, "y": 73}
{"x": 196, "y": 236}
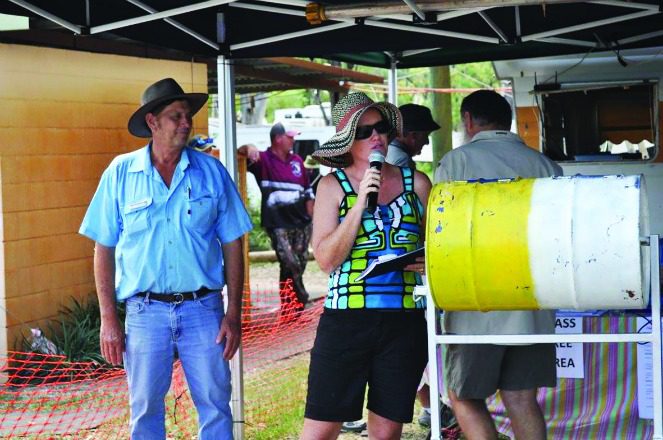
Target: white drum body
{"x": 563, "y": 242}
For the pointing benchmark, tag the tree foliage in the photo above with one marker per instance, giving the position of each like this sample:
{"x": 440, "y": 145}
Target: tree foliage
{"x": 463, "y": 76}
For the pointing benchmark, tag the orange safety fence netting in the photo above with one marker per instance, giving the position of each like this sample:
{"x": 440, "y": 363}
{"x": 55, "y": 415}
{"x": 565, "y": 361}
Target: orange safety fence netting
{"x": 45, "y": 396}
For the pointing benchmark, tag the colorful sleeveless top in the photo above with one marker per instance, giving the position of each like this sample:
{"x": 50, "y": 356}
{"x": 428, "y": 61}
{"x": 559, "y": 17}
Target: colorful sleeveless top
{"x": 392, "y": 229}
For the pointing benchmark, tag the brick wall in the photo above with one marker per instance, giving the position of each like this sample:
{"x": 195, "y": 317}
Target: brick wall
{"x": 63, "y": 118}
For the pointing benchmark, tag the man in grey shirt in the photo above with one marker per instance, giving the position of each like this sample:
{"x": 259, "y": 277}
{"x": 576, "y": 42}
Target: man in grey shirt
{"x": 475, "y": 372}
{"x": 418, "y": 124}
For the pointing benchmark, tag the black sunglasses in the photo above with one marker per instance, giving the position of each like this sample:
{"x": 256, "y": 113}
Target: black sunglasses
{"x": 365, "y": 131}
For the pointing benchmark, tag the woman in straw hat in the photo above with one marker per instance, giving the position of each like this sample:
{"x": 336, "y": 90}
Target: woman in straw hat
{"x": 372, "y": 332}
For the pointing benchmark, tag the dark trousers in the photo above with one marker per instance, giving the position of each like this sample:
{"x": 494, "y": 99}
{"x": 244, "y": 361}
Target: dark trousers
{"x": 291, "y": 247}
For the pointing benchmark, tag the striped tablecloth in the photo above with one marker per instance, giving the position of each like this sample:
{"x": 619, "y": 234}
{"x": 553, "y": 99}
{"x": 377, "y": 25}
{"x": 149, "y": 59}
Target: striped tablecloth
{"x": 604, "y": 404}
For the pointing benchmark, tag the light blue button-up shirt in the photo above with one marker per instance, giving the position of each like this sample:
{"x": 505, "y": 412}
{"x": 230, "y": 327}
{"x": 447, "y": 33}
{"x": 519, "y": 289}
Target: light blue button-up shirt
{"x": 166, "y": 239}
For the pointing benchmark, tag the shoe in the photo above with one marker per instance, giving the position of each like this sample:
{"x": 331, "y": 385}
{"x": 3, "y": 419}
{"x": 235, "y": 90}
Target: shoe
{"x": 424, "y": 417}
{"x": 356, "y": 426}
{"x": 447, "y": 417}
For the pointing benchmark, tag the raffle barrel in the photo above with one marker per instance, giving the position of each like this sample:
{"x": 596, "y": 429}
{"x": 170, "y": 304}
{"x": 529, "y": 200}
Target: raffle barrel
{"x": 526, "y": 244}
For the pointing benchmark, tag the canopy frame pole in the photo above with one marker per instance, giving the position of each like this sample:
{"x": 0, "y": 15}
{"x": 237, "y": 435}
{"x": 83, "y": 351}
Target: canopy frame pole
{"x": 494, "y": 26}
{"x": 157, "y": 16}
{"x": 47, "y": 15}
{"x": 569, "y": 41}
{"x": 438, "y": 32}
{"x": 227, "y": 156}
{"x": 262, "y": 8}
{"x": 176, "y": 24}
{"x": 635, "y": 38}
{"x": 413, "y": 6}
{"x": 644, "y": 6}
{"x": 291, "y": 35}
{"x": 226, "y": 112}
{"x": 588, "y": 25}
{"x": 392, "y": 80}
{"x": 409, "y": 53}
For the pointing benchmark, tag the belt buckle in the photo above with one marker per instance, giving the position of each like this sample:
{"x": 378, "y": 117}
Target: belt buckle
{"x": 179, "y": 298}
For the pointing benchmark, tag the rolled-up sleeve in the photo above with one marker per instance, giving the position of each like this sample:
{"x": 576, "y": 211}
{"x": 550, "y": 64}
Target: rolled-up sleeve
{"x": 232, "y": 220}
{"x": 102, "y": 222}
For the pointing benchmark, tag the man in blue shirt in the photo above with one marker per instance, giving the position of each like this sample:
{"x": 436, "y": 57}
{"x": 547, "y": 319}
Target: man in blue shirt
{"x": 167, "y": 222}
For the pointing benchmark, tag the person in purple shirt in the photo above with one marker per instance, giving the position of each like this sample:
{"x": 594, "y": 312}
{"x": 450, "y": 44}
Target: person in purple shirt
{"x": 287, "y": 206}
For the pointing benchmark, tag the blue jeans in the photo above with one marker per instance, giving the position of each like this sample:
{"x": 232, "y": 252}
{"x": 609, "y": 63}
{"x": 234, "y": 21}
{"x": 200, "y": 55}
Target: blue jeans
{"x": 154, "y": 331}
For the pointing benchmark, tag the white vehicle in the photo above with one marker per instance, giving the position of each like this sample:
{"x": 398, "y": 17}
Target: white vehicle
{"x": 305, "y": 144}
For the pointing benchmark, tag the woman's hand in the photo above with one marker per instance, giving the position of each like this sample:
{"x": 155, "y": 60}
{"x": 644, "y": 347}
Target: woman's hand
{"x": 370, "y": 183}
{"x": 419, "y": 266}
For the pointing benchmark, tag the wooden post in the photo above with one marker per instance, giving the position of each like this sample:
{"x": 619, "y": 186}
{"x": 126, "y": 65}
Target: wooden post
{"x": 242, "y": 169}
{"x": 441, "y": 78}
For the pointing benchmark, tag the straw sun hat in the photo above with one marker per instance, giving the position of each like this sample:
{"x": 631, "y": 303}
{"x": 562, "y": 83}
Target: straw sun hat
{"x": 335, "y": 152}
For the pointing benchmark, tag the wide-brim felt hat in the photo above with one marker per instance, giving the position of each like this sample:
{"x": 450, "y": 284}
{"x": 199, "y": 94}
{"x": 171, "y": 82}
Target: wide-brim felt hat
{"x": 346, "y": 113}
{"x": 417, "y": 118}
{"x": 158, "y": 93}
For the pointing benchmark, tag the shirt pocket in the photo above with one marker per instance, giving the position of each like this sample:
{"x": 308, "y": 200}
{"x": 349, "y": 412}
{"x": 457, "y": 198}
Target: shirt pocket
{"x": 137, "y": 216}
{"x": 201, "y": 212}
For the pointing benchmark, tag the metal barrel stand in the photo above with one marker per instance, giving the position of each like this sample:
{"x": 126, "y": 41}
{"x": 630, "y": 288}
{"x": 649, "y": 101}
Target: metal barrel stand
{"x": 436, "y": 338}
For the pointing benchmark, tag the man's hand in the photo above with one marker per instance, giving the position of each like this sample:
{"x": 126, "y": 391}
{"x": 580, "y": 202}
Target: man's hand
{"x": 111, "y": 335}
{"x": 250, "y": 151}
{"x": 231, "y": 333}
{"x": 111, "y": 340}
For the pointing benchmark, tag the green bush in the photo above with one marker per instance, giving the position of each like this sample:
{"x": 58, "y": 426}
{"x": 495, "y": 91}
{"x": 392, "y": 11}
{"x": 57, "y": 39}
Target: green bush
{"x": 76, "y": 332}
{"x": 258, "y": 238}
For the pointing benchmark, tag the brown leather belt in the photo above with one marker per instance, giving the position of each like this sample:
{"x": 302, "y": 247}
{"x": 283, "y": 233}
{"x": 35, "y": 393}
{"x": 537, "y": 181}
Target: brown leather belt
{"x": 176, "y": 297}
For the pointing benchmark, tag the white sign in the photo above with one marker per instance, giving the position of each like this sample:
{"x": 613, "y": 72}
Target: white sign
{"x": 570, "y": 360}
{"x": 645, "y": 376}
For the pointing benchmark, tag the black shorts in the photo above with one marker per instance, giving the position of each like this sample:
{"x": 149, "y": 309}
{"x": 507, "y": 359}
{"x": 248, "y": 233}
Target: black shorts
{"x": 353, "y": 348}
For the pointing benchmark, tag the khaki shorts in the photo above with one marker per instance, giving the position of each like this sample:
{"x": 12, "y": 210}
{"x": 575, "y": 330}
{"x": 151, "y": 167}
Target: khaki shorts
{"x": 477, "y": 371}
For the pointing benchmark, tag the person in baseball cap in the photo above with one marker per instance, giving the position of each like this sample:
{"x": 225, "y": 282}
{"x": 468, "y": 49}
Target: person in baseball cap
{"x": 279, "y": 130}
{"x": 201, "y": 143}
{"x": 418, "y": 124}
{"x": 286, "y": 210}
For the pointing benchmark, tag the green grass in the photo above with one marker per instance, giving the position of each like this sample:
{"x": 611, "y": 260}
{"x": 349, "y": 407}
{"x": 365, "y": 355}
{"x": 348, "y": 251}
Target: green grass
{"x": 286, "y": 422}
{"x": 283, "y": 419}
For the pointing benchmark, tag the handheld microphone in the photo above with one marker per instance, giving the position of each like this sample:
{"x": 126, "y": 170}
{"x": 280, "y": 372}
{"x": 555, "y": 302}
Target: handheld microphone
{"x": 375, "y": 160}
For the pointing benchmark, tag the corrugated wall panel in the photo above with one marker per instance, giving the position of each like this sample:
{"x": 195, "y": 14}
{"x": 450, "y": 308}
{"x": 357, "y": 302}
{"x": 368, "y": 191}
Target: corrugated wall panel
{"x": 63, "y": 119}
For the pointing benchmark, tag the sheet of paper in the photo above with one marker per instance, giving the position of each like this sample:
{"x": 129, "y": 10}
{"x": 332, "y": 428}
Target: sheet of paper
{"x": 570, "y": 360}
{"x": 389, "y": 263}
{"x": 645, "y": 377}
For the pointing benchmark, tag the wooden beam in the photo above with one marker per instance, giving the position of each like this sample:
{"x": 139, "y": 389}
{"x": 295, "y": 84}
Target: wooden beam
{"x": 358, "y": 77}
{"x": 302, "y": 82}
